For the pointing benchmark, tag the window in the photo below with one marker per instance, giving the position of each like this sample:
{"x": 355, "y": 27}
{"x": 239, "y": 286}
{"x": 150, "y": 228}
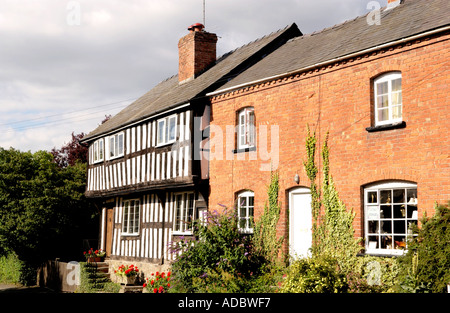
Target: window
{"x": 388, "y": 99}
{"x": 167, "y": 130}
{"x": 245, "y": 208}
{"x": 98, "y": 151}
{"x": 130, "y": 223}
{"x": 390, "y": 210}
{"x": 246, "y": 128}
{"x": 184, "y": 212}
{"x": 116, "y": 146}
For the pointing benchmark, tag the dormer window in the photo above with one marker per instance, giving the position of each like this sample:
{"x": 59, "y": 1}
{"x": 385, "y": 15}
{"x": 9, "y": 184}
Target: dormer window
{"x": 167, "y": 130}
{"x": 116, "y": 148}
{"x": 388, "y": 99}
{"x": 98, "y": 151}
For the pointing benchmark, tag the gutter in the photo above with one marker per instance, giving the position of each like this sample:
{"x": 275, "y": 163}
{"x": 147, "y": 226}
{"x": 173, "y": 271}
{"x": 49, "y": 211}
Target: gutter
{"x": 320, "y": 64}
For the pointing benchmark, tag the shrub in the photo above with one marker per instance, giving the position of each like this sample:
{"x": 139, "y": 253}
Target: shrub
{"x": 426, "y": 266}
{"x": 218, "y": 249}
{"x": 10, "y": 269}
{"x": 315, "y": 275}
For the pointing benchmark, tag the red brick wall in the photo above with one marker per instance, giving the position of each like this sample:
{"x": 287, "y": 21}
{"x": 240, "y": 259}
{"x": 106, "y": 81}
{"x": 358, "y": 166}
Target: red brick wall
{"x": 337, "y": 99}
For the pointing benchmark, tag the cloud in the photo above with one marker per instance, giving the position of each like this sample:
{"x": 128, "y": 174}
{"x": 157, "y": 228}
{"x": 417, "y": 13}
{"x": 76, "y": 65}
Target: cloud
{"x": 60, "y": 59}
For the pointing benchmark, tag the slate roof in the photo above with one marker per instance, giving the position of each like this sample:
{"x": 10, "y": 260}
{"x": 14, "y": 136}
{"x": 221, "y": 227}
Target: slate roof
{"x": 169, "y": 93}
{"x": 411, "y": 17}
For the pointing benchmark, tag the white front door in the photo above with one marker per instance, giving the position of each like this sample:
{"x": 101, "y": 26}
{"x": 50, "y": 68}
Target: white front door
{"x": 300, "y": 222}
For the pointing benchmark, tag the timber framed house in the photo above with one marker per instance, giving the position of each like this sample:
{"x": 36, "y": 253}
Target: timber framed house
{"x": 148, "y": 168}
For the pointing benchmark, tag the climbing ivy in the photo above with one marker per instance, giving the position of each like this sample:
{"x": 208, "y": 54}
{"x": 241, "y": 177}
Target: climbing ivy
{"x": 265, "y": 239}
{"x": 311, "y": 172}
{"x": 333, "y": 233}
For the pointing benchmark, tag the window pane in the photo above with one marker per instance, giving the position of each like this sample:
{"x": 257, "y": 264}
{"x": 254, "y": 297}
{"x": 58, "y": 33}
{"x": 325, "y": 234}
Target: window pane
{"x": 383, "y": 115}
{"x": 386, "y": 227}
{"x": 385, "y": 211}
{"x": 95, "y": 151}
{"x": 178, "y": 206}
{"x": 399, "y": 227}
{"x": 116, "y": 145}
{"x": 136, "y": 217}
{"x": 399, "y": 211}
{"x": 372, "y": 197}
{"x": 251, "y": 128}
{"x": 397, "y": 112}
{"x": 386, "y": 242}
{"x": 373, "y": 227}
{"x": 161, "y": 131}
{"x": 399, "y": 195}
{"x": 397, "y": 84}
{"x": 396, "y": 98}
{"x": 111, "y": 146}
{"x": 100, "y": 149}
{"x": 125, "y": 217}
{"x": 385, "y": 196}
{"x": 383, "y": 101}
{"x": 382, "y": 88}
{"x": 120, "y": 152}
{"x": 172, "y": 127}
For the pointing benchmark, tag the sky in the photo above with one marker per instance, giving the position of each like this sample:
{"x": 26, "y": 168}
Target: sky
{"x": 64, "y": 65}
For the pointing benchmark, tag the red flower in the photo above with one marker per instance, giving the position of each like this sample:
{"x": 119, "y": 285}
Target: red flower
{"x": 160, "y": 289}
{"x": 144, "y": 285}
{"x": 152, "y": 282}
{"x": 169, "y": 273}
{"x": 155, "y": 290}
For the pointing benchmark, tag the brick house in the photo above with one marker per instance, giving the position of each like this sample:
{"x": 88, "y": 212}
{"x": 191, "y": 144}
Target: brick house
{"x": 382, "y": 93}
{"x": 146, "y": 171}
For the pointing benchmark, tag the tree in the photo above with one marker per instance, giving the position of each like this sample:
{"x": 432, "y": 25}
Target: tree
{"x": 43, "y": 211}
{"x": 70, "y": 153}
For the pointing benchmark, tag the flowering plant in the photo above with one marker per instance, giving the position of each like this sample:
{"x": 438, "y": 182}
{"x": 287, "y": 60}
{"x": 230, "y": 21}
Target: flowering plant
{"x": 158, "y": 283}
{"x": 123, "y": 270}
{"x": 94, "y": 253}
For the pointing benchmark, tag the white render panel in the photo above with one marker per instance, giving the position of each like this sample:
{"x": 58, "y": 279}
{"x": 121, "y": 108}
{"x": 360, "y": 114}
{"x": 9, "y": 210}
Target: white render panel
{"x": 128, "y": 172}
{"x": 133, "y": 171}
{"x": 154, "y": 133}
{"x": 133, "y": 139}
{"x": 144, "y": 136}
{"x": 187, "y": 131}
{"x": 163, "y": 166}
{"x": 182, "y": 126}
{"x": 128, "y": 147}
{"x": 138, "y": 138}
{"x": 186, "y": 160}
{"x": 158, "y": 161}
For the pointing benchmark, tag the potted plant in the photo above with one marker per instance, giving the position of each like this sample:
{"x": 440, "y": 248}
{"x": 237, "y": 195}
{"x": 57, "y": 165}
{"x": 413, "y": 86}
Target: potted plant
{"x": 127, "y": 274}
{"x": 94, "y": 255}
{"x": 157, "y": 283}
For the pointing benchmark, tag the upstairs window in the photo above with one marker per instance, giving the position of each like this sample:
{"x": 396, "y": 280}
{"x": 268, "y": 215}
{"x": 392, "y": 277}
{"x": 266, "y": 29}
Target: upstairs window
{"x": 98, "y": 151}
{"x": 245, "y": 209}
{"x": 184, "y": 213}
{"x": 390, "y": 211}
{"x": 130, "y": 223}
{"x": 246, "y": 128}
{"x": 388, "y": 99}
{"x": 116, "y": 146}
{"x": 167, "y": 130}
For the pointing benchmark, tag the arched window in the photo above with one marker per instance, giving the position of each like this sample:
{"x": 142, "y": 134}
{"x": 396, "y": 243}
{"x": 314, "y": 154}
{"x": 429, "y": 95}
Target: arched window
{"x": 388, "y": 98}
{"x": 246, "y": 128}
{"x": 390, "y": 211}
{"x": 245, "y": 211}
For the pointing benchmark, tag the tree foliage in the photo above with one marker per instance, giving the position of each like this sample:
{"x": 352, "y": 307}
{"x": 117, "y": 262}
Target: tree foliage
{"x": 43, "y": 211}
{"x": 71, "y": 152}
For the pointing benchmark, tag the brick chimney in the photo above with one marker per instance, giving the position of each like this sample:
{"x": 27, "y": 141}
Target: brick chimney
{"x": 197, "y": 52}
{"x": 393, "y": 3}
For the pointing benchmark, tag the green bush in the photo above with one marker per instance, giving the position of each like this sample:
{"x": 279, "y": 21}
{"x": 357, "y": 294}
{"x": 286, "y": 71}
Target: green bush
{"x": 10, "y": 269}
{"x": 219, "y": 253}
{"x": 426, "y": 266}
{"x": 315, "y": 275}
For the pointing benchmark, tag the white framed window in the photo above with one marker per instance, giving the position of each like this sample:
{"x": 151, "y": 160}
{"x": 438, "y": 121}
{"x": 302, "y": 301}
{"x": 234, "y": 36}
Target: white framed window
{"x": 130, "y": 218}
{"x": 167, "y": 130}
{"x": 388, "y": 98}
{"x": 184, "y": 212}
{"x": 98, "y": 150}
{"x": 245, "y": 210}
{"x": 390, "y": 210}
{"x": 246, "y": 128}
{"x": 116, "y": 145}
